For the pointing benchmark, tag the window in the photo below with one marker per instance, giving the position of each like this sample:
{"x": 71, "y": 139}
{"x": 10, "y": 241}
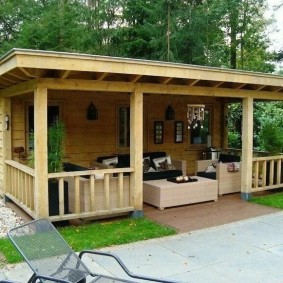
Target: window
{"x": 123, "y": 128}
{"x": 53, "y": 112}
{"x": 198, "y": 135}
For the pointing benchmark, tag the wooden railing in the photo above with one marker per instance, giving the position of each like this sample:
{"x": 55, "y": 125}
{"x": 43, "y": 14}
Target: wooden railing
{"x": 86, "y": 196}
{"x": 20, "y": 185}
{"x": 90, "y": 197}
{"x": 267, "y": 173}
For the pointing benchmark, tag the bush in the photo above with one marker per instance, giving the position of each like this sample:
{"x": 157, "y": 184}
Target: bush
{"x": 271, "y": 137}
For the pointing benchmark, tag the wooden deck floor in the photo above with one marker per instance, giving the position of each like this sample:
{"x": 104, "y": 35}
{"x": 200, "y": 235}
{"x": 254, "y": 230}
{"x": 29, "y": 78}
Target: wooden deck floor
{"x": 228, "y": 208}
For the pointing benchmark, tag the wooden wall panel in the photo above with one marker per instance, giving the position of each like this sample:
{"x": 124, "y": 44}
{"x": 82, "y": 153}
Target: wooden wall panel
{"x": 86, "y": 140}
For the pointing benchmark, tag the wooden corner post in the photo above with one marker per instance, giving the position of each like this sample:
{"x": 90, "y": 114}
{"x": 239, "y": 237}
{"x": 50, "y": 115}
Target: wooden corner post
{"x": 247, "y": 148}
{"x": 6, "y": 142}
{"x": 136, "y": 151}
{"x": 40, "y": 153}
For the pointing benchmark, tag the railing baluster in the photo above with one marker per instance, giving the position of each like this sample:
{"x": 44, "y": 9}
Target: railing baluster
{"x": 121, "y": 189}
{"x": 106, "y": 192}
{"x": 92, "y": 193}
{"x": 61, "y": 196}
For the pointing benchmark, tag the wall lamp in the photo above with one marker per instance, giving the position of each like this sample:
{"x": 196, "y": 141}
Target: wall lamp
{"x": 92, "y": 112}
{"x": 7, "y": 122}
{"x": 169, "y": 113}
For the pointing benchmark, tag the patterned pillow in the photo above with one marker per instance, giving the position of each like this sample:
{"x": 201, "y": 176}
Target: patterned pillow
{"x": 211, "y": 168}
{"x": 146, "y": 165}
{"x": 111, "y": 161}
{"x": 164, "y": 166}
{"x": 233, "y": 166}
{"x": 156, "y": 161}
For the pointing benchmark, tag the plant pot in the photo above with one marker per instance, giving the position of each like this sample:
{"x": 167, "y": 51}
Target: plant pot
{"x": 53, "y": 197}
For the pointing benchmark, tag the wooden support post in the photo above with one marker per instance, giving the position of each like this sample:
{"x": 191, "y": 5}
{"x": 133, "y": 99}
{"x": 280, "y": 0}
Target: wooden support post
{"x": 6, "y": 145}
{"x": 247, "y": 148}
{"x": 136, "y": 151}
{"x": 40, "y": 153}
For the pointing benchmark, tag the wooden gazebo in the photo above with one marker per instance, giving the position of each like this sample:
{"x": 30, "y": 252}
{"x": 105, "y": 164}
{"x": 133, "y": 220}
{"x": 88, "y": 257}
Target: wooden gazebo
{"x": 71, "y": 81}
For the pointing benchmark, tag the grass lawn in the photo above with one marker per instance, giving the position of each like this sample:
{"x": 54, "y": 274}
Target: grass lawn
{"x": 273, "y": 200}
{"x": 98, "y": 235}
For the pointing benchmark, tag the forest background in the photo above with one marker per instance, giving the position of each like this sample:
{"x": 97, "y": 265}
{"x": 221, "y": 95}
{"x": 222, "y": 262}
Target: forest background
{"x": 217, "y": 33}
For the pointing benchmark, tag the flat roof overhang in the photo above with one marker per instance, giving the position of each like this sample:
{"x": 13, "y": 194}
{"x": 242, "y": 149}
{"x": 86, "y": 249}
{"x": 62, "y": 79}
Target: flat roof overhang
{"x": 20, "y": 65}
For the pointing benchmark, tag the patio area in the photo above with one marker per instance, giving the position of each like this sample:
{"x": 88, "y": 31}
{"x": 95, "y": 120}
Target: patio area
{"x": 229, "y": 208}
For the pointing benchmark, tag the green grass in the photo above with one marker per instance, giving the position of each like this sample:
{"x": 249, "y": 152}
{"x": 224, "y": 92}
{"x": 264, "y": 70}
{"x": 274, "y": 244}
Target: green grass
{"x": 98, "y": 235}
{"x": 273, "y": 200}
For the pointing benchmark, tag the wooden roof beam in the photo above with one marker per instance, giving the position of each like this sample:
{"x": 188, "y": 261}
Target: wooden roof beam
{"x": 28, "y": 72}
{"x": 134, "y": 78}
{"x": 102, "y": 76}
{"x": 152, "y": 88}
{"x": 165, "y": 80}
{"x": 64, "y": 74}
{"x": 192, "y": 82}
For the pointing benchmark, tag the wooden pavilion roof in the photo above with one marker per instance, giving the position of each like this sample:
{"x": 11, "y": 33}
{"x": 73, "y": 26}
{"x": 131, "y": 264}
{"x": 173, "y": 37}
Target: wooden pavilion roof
{"x": 20, "y": 65}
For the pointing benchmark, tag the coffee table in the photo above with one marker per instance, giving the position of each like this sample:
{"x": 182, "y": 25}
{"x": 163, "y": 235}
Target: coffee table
{"x": 163, "y": 193}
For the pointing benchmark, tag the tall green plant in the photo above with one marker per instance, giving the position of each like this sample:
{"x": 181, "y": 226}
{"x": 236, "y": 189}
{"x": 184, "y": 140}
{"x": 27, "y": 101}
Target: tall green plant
{"x": 271, "y": 137}
{"x": 56, "y": 134}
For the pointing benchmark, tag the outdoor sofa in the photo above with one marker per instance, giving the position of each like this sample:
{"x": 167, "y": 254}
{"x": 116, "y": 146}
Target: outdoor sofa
{"x": 154, "y": 173}
{"x": 226, "y": 170}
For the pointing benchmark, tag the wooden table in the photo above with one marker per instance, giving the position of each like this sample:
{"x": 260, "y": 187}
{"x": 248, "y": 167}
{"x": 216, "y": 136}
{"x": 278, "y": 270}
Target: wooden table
{"x": 163, "y": 193}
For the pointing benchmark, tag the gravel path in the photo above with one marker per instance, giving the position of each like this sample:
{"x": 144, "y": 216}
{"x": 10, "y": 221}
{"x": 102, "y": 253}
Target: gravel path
{"x": 8, "y": 219}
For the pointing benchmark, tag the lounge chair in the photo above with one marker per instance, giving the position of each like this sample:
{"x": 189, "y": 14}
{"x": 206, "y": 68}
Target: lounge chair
{"x": 51, "y": 258}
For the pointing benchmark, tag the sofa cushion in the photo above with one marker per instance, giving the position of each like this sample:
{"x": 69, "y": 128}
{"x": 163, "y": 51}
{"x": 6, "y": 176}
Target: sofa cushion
{"x": 209, "y": 175}
{"x": 110, "y": 161}
{"x": 162, "y": 175}
{"x": 227, "y": 158}
{"x": 70, "y": 167}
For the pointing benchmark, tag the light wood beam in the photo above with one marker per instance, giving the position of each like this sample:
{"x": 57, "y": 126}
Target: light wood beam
{"x": 22, "y": 88}
{"x": 7, "y": 141}
{"x": 134, "y": 78}
{"x": 247, "y": 148}
{"x": 102, "y": 76}
{"x": 136, "y": 149}
{"x": 165, "y": 80}
{"x": 40, "y": 152}
{"x": 155, "y": 89}
{"x": 64, "y": 74}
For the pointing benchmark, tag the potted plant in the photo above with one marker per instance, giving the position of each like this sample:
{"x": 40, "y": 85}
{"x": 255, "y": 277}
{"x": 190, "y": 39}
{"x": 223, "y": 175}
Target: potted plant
{"x": 56, "y": 134}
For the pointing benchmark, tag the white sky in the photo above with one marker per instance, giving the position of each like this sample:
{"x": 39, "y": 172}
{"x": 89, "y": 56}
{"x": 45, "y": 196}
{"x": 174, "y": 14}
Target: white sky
{"x": 276, "y": 36}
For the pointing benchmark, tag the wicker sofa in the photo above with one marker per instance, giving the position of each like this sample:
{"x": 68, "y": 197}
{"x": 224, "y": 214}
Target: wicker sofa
{"x": 228, "y": 182}
{"x": 124, "y": 161}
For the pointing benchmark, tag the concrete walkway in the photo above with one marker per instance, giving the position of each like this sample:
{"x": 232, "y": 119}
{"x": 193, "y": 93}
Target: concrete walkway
{"x": 244, "y": 251}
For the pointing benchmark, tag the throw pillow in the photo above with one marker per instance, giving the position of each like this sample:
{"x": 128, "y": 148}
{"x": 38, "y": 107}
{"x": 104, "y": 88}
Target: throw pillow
{"x": 211, "y": 168}
{"x": 164, "y": 166}
{"x": 110, "y": 161}
{"x": 146, "y": 164}
{"x": 99, "y": 176}
{"x": 156, "y": 161}
{"x": 233, "y": 166}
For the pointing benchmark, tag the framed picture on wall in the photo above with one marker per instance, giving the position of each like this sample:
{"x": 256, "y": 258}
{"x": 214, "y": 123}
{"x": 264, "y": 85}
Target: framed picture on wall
{"x": 158, "y": 132}
{"x": 179, "y": 129}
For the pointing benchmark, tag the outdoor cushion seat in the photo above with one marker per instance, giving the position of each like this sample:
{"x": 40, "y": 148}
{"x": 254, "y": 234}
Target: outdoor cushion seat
{"x": 228, "y": 182}
{"x": 123, "y": 161}
{"x": 162, "y": 175}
